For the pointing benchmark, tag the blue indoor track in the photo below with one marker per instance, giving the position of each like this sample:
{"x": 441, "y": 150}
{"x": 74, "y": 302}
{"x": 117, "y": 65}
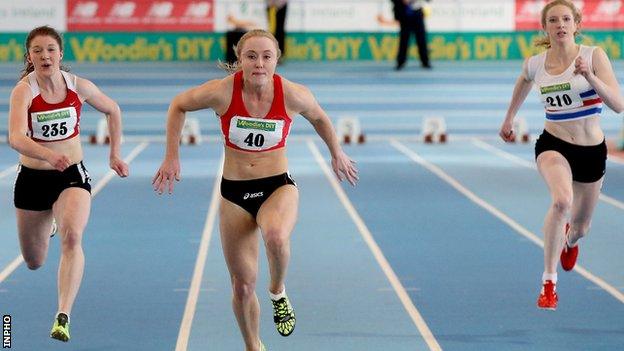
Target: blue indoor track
{"x": 437, "y": 248}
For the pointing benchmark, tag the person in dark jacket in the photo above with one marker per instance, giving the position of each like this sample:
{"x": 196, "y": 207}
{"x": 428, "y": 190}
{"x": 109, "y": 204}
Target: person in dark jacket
{"x": 276, "y": 14}
{"x": 409, "y": 14}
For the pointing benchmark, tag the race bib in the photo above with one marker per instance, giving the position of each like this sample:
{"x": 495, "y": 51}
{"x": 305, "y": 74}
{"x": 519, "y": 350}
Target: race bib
{"x": 255, "y": 134}
{"x": 559, "y": 97}
{"x": 55, "y": 124}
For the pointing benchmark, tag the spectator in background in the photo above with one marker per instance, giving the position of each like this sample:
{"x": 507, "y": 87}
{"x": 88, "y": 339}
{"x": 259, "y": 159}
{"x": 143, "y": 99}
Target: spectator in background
{"x": 411, "y": 17}
{"x": 232, "y": 36}
{"x": 276, "y": 12}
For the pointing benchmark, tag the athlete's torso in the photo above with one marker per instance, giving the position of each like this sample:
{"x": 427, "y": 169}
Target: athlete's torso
{"x": 55, "y": 125}
{"x": 255, "y": 146}
{"x": 54, "y": 121}
{"x": 255, "y": 134}
{"x": 572, "y": 107}
{"x": 566, "y": 96}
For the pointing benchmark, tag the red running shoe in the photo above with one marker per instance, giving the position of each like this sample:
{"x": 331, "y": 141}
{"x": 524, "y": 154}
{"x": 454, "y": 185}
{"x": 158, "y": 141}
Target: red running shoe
{"x": 548, "y": 297}
{"x": 568, "y": 254}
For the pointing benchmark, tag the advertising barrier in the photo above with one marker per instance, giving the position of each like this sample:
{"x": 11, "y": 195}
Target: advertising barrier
{"x": 140, "y": 16}
{"x": 597, "y": 14}
{"x": 319, "y": 30}
{"x": 107, "y": 47}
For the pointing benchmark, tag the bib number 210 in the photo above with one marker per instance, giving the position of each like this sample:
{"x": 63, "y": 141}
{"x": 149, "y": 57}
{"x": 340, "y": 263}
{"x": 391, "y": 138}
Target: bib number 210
{"x": 559, "y": 101}
{"x": 256, "y": 140}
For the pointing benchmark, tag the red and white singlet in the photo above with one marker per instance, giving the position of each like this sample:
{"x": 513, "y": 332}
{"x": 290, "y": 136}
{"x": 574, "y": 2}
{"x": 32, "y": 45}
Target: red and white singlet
{"x": 54, "y": 122}
{"x": 243, "y": 132}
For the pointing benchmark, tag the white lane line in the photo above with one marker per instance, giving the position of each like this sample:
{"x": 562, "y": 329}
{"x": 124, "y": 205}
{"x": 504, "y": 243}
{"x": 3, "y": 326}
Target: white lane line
{"x": 522, "y": 162}
{"x": 200, "y": 263}
{"x": 109, "y": 176}
{"x": 377, "y": 253}
{"x": 500, "y": 215}
{"x": 616, "y": 159}
{"x": 96, "y": 189}
{"x": 11, "y": 267}
{"x": 9, "y": 170}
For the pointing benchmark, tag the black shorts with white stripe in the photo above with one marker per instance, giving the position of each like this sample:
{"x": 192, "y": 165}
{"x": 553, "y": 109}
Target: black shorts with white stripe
{"x": 38, "y": 189}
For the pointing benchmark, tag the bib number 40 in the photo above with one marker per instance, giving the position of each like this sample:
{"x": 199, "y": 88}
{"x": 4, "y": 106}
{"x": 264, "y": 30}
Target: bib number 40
{"x": 54, "y": 129}
{"x": 256, "y": 140}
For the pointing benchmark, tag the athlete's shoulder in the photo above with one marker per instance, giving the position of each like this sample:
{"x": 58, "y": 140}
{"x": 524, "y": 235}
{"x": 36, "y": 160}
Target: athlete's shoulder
{"x": 23, "y": 83}
{"x": 584, "y": 47}
{"x": 294, "y": 89}
{"x": 538, "y": 57}
{"x": 226, "y": 82}
{"x": 215, "y": 94}
{"x": 70, "y": 75}
{"x": 217, "y": 89}
{"x": 532, "y": 64}
{"x": 84, "y": 87}
{"x": 22, "y": 89}
{"x": 593, "y": 51}
{"x": 298, "y": 97}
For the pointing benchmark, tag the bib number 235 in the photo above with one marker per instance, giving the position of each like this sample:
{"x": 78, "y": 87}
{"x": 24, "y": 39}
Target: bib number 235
{"x": 54, "y": 129}
{"x": 256, "y": 140}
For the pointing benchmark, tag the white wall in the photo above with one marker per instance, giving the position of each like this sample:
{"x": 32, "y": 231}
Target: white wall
{"x": 24, "y": 15}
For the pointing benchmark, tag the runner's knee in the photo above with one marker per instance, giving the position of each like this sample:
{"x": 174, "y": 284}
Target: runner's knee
{"x": 34, "y": 262}
{"x": 276, "y": 239}
{"x": 72, "y": 238}
{"x": 562, "y": 205}
{"x": 243, "y": 289}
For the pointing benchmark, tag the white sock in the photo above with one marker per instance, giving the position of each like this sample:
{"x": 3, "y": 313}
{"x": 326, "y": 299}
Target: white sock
{"x": 549, "y": 276}
{"x": 276, "y": 297}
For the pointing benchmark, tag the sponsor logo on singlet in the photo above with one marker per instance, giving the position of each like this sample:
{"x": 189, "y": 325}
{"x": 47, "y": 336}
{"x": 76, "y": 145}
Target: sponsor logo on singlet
{"x": 258, "y": 125}
{"x": 53, "y": 115}
{"x": 554, "y": 88}
{"x": 255, "y": 134}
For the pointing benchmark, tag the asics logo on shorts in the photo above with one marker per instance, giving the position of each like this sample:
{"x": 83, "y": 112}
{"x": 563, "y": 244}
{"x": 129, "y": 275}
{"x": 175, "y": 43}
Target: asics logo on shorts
{"x": 252, "y": 195}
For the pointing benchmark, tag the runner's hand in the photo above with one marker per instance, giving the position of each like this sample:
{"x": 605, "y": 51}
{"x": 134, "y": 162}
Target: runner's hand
{"x": 506, "y": 132}
{"x": 344, "y": 168}
{"x": 119, "y": 166}
{"x": 167, "y": 174}
{"x": 59, "y": 161}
